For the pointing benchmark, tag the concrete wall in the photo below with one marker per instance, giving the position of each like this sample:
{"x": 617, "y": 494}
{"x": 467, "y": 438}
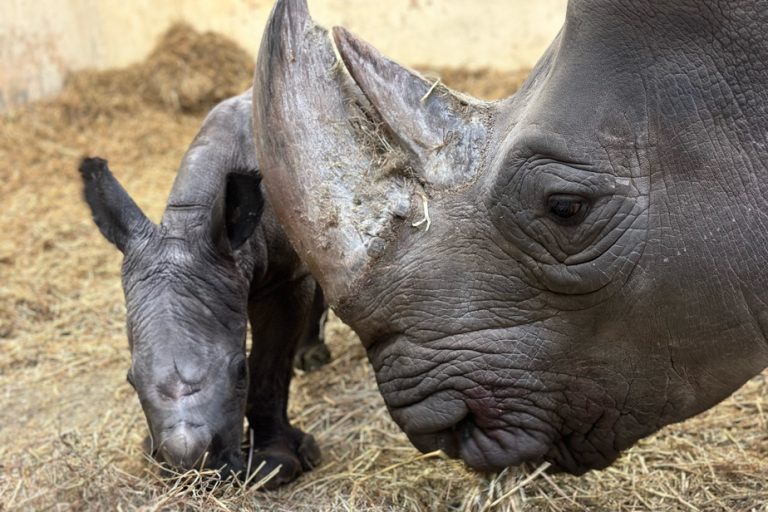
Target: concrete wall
{"x": 42, "y": 40}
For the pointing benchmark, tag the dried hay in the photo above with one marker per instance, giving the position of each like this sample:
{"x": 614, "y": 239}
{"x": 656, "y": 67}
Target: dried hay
{"x": 187, "y": 72}
{"x": 489, "y": 84}
{"x": 70, "y": 427}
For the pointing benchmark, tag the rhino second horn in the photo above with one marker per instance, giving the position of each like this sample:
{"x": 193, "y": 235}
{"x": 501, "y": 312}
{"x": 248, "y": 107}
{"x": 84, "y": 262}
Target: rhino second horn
{"x": 443, "y": 132}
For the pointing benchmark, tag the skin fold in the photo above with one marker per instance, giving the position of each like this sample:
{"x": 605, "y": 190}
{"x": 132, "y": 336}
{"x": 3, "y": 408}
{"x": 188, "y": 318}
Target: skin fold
{"x": 592, "y": 268}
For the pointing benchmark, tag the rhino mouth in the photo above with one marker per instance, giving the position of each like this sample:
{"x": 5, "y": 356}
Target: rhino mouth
{"x": 477, "y": 407}
{"x": 187, "y": 446}
{"x": 184, "y": 435}
{"x": 515, "y": 439}
{"x": 482, "y": 449}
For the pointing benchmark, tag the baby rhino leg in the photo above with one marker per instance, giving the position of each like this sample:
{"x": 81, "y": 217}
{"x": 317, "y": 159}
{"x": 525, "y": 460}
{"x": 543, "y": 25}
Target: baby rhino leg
{"x": 312, "y": 352}
{"x": 279, "y": 322}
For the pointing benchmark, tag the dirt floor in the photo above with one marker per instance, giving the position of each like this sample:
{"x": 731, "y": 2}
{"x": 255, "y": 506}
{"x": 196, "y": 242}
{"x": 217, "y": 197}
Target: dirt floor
{"x": 71, "y": 427}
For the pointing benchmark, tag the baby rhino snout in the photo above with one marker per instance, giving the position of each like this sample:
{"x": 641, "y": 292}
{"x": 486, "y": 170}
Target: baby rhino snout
{"x": 183, "y": 445}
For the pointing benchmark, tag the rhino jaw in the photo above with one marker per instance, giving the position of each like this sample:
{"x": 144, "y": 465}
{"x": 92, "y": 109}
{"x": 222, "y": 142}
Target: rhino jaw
{"x": 352, "y": 145}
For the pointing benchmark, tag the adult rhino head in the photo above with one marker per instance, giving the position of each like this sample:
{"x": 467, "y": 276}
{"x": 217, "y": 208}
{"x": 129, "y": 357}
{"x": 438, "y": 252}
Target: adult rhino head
{"x": 591, "y": 262}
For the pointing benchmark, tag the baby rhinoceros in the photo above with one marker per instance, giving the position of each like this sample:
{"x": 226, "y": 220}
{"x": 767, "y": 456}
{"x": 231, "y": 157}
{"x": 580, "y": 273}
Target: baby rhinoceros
{"x": 217, "y": 259}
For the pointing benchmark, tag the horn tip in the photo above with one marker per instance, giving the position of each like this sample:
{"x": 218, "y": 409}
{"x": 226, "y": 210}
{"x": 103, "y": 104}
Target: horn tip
{"x": 296, "y": 8}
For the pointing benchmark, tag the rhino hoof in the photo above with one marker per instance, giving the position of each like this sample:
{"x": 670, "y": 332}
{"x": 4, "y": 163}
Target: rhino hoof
{"x": 312, "y": 357}
{"x": 288, "y": 463}
{"x": 309, "y": 453}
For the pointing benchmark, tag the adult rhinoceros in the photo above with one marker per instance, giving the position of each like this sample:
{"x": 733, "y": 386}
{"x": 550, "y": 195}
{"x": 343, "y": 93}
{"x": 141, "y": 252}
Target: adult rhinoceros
{"x": 591, "y": 261}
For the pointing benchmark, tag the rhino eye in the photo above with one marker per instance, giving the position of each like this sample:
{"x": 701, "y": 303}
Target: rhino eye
{"x": 567, "y": 209}
{"x": 242, "y": 370}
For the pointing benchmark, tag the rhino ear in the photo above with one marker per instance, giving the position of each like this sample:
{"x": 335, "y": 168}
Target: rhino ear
{"x": 441, "y": 130}
{"x": 237, "y": 211}
{"x": 118, "y": 217}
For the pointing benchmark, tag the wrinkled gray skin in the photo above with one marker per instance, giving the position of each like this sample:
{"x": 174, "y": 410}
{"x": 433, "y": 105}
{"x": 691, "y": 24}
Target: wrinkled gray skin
{"x": 217, "y": 259}
{"x": 594, "y": 265}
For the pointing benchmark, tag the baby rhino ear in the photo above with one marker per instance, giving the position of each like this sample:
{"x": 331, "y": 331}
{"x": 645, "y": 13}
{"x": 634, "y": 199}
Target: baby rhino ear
{"x": 118, "y": 217}
{"x": 237, "y": 211}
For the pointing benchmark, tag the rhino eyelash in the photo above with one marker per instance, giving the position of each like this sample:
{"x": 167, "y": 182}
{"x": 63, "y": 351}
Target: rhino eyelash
{"x": 567, "y": 209}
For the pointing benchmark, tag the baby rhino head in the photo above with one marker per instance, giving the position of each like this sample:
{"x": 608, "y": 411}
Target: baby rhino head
{"x": 186, "y": 300}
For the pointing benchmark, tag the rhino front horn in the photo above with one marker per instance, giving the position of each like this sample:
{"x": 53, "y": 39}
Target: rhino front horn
{"x": 345, "y": 156}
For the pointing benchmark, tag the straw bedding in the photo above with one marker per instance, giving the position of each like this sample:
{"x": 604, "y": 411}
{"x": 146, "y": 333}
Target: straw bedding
{"x": 71, "y": 427}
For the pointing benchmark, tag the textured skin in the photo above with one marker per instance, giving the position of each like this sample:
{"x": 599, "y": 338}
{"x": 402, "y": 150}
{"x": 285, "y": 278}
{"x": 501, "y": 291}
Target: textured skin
{"x": 217, "y": 260}
{"x": 506, "y": 333}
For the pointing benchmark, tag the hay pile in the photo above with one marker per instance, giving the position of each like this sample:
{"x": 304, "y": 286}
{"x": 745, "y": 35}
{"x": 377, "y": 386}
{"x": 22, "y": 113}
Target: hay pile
{"x": 187, "y": 72}
{"x": 70, "y": 426}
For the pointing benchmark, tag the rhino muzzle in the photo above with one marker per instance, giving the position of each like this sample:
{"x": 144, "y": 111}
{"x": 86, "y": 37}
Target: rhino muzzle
{"x": 194, "y": 421}
{"x": 184, "y": 445}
